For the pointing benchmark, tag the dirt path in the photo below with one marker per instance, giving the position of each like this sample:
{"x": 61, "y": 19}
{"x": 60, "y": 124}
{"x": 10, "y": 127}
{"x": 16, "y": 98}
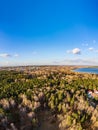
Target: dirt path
{"x": 47, "y": 121}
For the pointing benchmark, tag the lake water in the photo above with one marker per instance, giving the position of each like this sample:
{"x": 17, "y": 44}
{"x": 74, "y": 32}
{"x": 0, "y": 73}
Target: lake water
{"x": 87, "y": 70}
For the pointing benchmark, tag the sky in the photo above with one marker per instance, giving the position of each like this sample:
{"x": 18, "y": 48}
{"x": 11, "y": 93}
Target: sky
{"x": 48, "y": 32}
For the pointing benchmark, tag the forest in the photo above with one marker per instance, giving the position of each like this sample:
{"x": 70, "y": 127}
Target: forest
{"x": 49, "y": 98}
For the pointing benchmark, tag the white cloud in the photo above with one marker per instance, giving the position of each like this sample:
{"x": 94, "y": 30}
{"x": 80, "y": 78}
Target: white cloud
{"x": 5, "y": 55}
{"x": 91, "y": 49}
{"x": 74, "y": 51}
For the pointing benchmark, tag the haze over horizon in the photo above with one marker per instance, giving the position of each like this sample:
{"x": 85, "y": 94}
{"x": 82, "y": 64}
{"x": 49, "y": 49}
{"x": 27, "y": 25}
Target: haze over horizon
{"x": 48, "y": 32}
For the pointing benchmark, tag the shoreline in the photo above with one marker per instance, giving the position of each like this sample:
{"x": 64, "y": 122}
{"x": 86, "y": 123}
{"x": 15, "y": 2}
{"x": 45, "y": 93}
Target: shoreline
{"x": 83, "y": 71}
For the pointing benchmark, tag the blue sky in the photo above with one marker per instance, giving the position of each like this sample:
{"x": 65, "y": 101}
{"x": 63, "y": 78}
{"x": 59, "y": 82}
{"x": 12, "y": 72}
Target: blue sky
{"x": 62, "y": 32}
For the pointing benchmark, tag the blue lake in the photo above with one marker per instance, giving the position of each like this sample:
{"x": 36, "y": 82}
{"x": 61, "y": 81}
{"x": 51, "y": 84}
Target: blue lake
{"x": 87, "y": 70}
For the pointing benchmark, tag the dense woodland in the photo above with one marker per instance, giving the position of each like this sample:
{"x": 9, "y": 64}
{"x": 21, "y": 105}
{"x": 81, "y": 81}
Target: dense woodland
{"x": 25, "y": 95}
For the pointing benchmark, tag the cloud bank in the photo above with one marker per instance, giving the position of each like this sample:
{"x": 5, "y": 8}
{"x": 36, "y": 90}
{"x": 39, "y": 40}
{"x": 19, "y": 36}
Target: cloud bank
{"x": 5, "y": 55}
{"x": 77, "y": 61}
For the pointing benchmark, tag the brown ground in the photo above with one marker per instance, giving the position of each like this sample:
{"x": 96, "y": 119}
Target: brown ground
{"x": 47, "y": 121}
